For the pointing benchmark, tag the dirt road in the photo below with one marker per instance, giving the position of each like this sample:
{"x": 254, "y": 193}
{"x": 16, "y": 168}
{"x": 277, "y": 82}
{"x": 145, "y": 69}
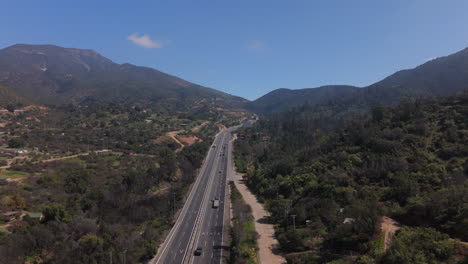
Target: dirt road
{"x": 61, "y": 158}
{"x": 266, "y": 241}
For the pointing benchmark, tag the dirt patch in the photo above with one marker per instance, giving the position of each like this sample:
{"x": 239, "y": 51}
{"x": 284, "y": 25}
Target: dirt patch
{"x": 183, "y": 140}
{"x": 266, "y": 241}
{"x": 162, "y": 189}
{"x": 173, "y": 135}
{"x": 188, "y": 140}
{"x": 460, "y": 248}
{"x": 389, "y": 227}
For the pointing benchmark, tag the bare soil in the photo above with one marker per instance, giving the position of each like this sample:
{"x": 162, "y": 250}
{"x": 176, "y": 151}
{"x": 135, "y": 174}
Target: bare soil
{"x": 188, "y": 140}
{"x": 389, "y": 226}
{"x": 266, "y": 241}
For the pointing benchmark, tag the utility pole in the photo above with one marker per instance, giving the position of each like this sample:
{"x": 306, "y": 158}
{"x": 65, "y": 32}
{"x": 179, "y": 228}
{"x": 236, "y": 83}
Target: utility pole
{"x": 173, "y": 204}
{"x": 294, "y": 221}
{"x": 125, "y": 256}
{"x": 110, "y": 257}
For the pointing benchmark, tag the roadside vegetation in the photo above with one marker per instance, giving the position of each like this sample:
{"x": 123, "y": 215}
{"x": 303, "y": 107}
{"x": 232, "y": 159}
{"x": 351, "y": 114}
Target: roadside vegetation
{"x": 336, "y": 176}
{"x": 96, "y": 205}
{"x": 243, "y": 234}
{"x": 84, "y": 183}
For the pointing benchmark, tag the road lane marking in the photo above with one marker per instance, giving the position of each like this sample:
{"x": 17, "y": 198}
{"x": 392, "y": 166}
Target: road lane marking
{"x": 196, "y": 187}
{"x": 201, "y": 217}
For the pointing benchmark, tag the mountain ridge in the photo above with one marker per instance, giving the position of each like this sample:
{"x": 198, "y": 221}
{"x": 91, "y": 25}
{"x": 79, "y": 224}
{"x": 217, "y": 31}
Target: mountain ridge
{"x": 57, "y": 75}
{"x": 440, "y": 76}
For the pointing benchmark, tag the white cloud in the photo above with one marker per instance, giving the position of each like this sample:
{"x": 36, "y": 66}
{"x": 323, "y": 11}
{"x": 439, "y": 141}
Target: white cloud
{"x": 256, "y": 46}
{"x": 431, "y": 59}
{"x": 145, "y": 41}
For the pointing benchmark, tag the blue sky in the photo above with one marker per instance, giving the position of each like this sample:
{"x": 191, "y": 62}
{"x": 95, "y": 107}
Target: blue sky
{"x": 249, "y": 47}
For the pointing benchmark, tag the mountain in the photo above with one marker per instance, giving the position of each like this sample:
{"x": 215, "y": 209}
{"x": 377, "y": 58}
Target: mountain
{"x": 11, "y": 97}
{"x": 282, "y": 99}
{"x": 57, "y": 75}
{"x": 441, "y": 76}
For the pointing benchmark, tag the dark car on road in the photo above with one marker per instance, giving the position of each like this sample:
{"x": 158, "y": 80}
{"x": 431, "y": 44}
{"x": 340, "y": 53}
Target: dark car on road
{"x": 198, "y": 251}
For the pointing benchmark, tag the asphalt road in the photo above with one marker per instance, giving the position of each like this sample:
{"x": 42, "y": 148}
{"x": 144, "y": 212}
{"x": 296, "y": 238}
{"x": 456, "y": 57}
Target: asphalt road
{"x": 200, "y": 225}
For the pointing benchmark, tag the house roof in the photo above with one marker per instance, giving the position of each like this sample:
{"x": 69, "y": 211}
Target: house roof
{"x": 35, "y": 215}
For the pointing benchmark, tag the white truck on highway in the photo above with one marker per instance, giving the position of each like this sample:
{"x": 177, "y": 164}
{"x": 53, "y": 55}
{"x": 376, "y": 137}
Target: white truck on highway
{"x": 215, "y": 203}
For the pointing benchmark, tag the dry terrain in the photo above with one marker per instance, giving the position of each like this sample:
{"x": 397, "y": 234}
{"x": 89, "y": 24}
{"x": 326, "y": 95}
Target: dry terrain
{"x": 267, "y": 243}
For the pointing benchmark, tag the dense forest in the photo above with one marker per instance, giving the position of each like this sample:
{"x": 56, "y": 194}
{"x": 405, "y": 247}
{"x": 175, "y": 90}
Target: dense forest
{"x": 330, "y": 179}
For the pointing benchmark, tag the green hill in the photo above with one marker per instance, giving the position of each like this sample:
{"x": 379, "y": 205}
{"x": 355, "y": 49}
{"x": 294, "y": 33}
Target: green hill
{"x": 409, "y": 163}
{"x": 441, "y": 76}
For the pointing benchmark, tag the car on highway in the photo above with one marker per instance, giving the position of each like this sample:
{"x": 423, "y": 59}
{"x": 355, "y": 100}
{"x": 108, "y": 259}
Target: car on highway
{"x": 198, "y": 251}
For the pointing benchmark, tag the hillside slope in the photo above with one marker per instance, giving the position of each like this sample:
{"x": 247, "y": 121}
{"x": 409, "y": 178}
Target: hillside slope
{"x": 57, "y": 75}
{"x": 408, "y": 163}
{"x": 11, "y": 97}
{"x": 441, "y": 76}
{"x": 283, "y": 99}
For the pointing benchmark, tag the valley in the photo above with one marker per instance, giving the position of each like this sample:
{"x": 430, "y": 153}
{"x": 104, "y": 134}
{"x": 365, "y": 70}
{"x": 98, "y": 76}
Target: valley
{"x": 105, "y": 162}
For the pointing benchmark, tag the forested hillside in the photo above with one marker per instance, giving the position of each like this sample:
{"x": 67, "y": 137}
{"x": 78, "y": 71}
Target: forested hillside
{"x": 339, "y": 175}
{"x": 441, "y": 76}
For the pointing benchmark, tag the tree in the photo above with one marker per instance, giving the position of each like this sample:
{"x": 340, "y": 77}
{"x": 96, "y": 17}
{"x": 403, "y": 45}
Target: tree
{"x": 15, "y": 143}
{"x": 378, "y": 112}
{"x": 76, "y": 181}
{"x": 418, "y": 246}
{"x": 10, "y": 108}
{"x": 56, "y": 213}
{"x": 18, "y": 201}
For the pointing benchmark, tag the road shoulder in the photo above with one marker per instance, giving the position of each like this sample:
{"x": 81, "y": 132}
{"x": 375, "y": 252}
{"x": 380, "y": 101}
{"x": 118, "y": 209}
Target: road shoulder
{"x": 267, "y": 243}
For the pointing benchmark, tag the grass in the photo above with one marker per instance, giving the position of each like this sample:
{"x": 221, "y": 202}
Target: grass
{"x": 12, "y": 174}
{"x": 76, "y": 160}
{"x": 378, "y": 245}
{"x": 244, "y": 235}
{"x": 249, "y": 226}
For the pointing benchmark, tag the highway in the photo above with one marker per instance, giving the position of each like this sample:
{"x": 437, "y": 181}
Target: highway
{"x": 198, "y": 224}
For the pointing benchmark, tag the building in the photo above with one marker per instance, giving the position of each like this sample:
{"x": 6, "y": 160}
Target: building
{"x": 21, "y": 151}
{"x": 38, "y": 216}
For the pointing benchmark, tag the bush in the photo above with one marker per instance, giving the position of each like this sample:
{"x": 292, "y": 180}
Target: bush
{"x": 15, "y": 143}
{"x": 56, "y": 213}
{"x": 418, "y": 246}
